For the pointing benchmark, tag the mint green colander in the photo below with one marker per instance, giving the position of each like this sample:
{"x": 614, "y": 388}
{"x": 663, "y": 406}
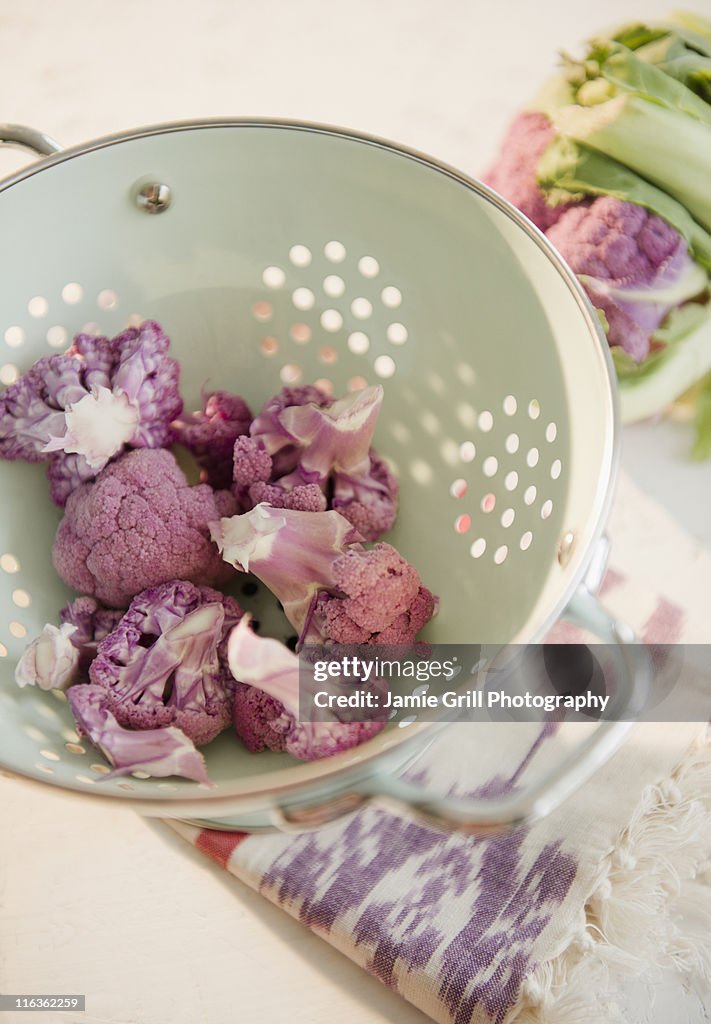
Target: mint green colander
{"x": 275, "y": 253}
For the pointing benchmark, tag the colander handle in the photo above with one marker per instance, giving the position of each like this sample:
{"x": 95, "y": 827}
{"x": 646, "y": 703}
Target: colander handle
{"x": 479, "y": 816}
{"x": 20, "y": 137}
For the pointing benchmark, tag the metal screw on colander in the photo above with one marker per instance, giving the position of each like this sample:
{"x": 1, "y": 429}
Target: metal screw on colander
{"x": 154, "y": 197}
{"x": 565, "y": 548}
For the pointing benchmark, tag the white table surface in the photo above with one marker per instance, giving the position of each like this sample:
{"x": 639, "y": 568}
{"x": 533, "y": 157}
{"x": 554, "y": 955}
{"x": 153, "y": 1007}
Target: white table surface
{"x": 98, "y": 900}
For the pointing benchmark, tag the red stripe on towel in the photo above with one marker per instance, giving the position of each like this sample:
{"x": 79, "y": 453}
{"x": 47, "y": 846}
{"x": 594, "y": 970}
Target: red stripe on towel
{"x": 219, "y": 845}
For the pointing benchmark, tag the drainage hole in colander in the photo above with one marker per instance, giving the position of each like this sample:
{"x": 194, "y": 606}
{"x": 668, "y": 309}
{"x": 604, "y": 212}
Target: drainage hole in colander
{"x": 384, "y": 367}
{"x": 334, "y": 286}
{"x": 38, "y": 306}
{"x": 430, "y": 423}
{"x": 361, "y": 308}
{"x": 357, "y": 384}
{"x": 91, "y": 328}
{"x": 57, "y": 336}
{"x": 391, "y": 297}
{"x": 396, "y": 334}
{"x": 534, "y": 409}
{"x": 368, "y": 266}
{"x": 436, "y": 383}
{"x": 462, "y": 523}
{"x": 328, "y": 355}
{"x": 358, "y": 343}
{"x": 511, "y": 480}
{"x": 303, "y": 298}
{"x": 74, "y": 748}
{"x": 525, "y": 541}
{"x": 467, "y": 451}
{"x": 532, "y": 457}
{"x": 556, "y": 469}
{"x": 269, "y": 345}
{"x": 500, "y": 554}
{"x": 72, "y": 293}
{"x": 8, "y": 373}
{"x": 466, "y": 414}
{"x": 507, "y": 517}
{"x": 69, "y": 735}
{"x": 45, "y": 769}
{"x": 529, "y": 495}
{"x": 421, "y": 472}
{"x": 488, "y": 503}
{"x": 14, "y": 336}
{"x": 490, "y": 466}
{"x": 325, "y": 384}
{"x": 3, "y": 651}
{"x": 458, "y": 488}
{"x": 85, "y": 779}
{"x": 334, "y": 251}
{"x": 551, "y": 432}
{"x": 262, "y": 310}
{"x": 107, "y": 299}
{"x": 478, "y": 548}
{"x": 290, "y": 374}
{"x": 512, "y": 443}
{"x": 100, "y": 769}
{"x": 35, "y": 735}
{"x": 273, "y": 277}
{"x": 510, "y": 405}
{"x": 331, "y": 320}
{"x": 17, "y": 629}
{"x": 50, "y": 755}
{"x": 300, "y": 256}
{"x": 300, "y": 333}
{"x": 485, "y": 421}
{"x": 546, "y": 509}
{"x": 21, "y": 598}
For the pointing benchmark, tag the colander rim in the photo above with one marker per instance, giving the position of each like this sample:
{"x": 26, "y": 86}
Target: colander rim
{"x": 351, "y": 761}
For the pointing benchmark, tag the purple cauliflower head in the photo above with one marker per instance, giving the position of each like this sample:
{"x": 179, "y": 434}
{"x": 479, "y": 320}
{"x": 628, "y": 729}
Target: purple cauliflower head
{"x": 165, "y": 663}
{"x": 514, "y": 172}
{"x": 634, "y": 266}
{"x": 331, "y": 587}
{"x": 79, "y": 410}
{"x": 309, "y": 452}
{"x": 210, "y": 434}
{"x": 137, "y": 525}
{"x": 266, "y": 709}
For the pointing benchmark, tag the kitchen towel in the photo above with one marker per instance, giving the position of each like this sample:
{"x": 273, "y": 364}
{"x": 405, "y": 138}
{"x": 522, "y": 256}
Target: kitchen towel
{"x": 543, "y": 924}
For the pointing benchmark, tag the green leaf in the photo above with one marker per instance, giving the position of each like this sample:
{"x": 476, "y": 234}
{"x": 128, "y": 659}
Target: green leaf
{"x": 670, "y": 149}
{"x": 568, "y": 171}
{"x": 628, "y": 73}
{"x": 702, "y": 424}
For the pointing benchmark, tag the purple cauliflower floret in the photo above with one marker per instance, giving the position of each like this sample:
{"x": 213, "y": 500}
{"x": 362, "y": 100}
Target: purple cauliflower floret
{"x": 165, "y": 663}
{"x": 137, "y": 525}
{"x": 79, "y": 410}
{"x": 377, "y": 598}
{"x": 157, "y": 752}
{"x": 332, "y": 588}
{"x": 266, "y": 710}
{"x": 634, "y": 266}
{"x": 92, "y": 623}
{"x": 309, "y": 452}
{"x": 210, "y": 434}
{"x": 626, "y": 257}
{"x": 259, "y": 720}
{"x": 514, "y": 171}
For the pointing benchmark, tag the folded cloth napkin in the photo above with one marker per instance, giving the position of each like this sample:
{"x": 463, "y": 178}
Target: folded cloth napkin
{"x": 530, "y": 925}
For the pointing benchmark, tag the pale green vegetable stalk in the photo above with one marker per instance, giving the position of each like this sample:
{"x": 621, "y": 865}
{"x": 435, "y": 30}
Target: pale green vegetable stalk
{"x": 669, "y": 149}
